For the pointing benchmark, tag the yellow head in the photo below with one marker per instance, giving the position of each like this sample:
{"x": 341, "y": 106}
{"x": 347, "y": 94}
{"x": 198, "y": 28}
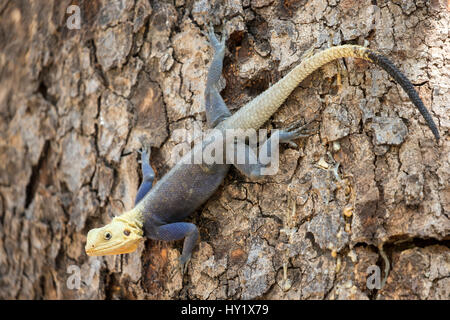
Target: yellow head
{"x": 122, "y": 235}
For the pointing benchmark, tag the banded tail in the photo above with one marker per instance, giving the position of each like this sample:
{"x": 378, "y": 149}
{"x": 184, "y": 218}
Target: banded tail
{"x": 255, "y": 113}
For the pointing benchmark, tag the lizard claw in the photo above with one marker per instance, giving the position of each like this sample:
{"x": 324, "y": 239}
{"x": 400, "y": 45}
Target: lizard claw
{"x": 183, "y": 263}
{"x": 224, "y": 37}
{"x": 215, "y": 43}
{"x": 145, "y": 155}
{"x": 295, "y": 131}
{"x": 144, "y": 152}
{"x": 211, "y": 35}
{"x": 145, "y": 146}
{"x": 181, "y": 266}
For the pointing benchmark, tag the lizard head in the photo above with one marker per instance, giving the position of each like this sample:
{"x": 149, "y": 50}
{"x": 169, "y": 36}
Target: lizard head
{"x": 122, "y": 235}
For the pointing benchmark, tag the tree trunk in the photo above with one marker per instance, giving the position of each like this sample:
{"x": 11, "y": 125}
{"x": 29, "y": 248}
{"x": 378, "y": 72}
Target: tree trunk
{"x": 79, "y": 97}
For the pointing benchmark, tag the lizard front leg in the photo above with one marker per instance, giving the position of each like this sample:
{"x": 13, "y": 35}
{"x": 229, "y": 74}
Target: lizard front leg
{"x": 176, "y": 231}
{"x": 216, "y": 109}
{"x": 148, "y": 175}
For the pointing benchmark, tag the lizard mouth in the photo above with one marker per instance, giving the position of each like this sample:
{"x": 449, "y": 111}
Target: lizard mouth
{"x": 112, "y": 248}
{"x": 102, "y": 250}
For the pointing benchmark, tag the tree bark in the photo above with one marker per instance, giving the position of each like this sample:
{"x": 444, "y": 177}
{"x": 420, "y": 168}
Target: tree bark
{"x": 76, "y": 104}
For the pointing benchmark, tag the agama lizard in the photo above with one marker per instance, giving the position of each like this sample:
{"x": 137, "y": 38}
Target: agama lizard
{"x": 160, "y": 211}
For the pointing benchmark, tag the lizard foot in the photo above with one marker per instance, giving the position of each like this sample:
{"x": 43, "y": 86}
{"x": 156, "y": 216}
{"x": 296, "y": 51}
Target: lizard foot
{"x": 295, "y": 131}
{"x": 216, "y": 44}
{"x": 183, "y": 263}
{"x": 181, "y": 267}
{"x": 144, "y": 151}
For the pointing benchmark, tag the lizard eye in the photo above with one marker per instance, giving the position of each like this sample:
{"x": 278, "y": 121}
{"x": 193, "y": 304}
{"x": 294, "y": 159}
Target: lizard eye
{"x": 108, "y": 235}
{"x": 126, "y": 232}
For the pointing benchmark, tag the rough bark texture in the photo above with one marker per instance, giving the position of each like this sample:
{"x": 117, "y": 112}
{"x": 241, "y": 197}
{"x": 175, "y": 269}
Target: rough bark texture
{"x": 76, "y": 104}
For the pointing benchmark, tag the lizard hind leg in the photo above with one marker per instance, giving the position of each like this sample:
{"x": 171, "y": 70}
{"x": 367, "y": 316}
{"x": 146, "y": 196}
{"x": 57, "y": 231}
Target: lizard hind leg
{"x": 177, "y": 231}
{"x": 216, "y": 109}
{"x": 252, "y": 167}
{"x": 148, "y": 175}
{"x": 295, "y": 131}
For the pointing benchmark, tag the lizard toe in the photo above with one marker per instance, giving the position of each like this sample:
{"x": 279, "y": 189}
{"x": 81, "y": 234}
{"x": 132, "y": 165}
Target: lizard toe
{"x": 183, "y": 263}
